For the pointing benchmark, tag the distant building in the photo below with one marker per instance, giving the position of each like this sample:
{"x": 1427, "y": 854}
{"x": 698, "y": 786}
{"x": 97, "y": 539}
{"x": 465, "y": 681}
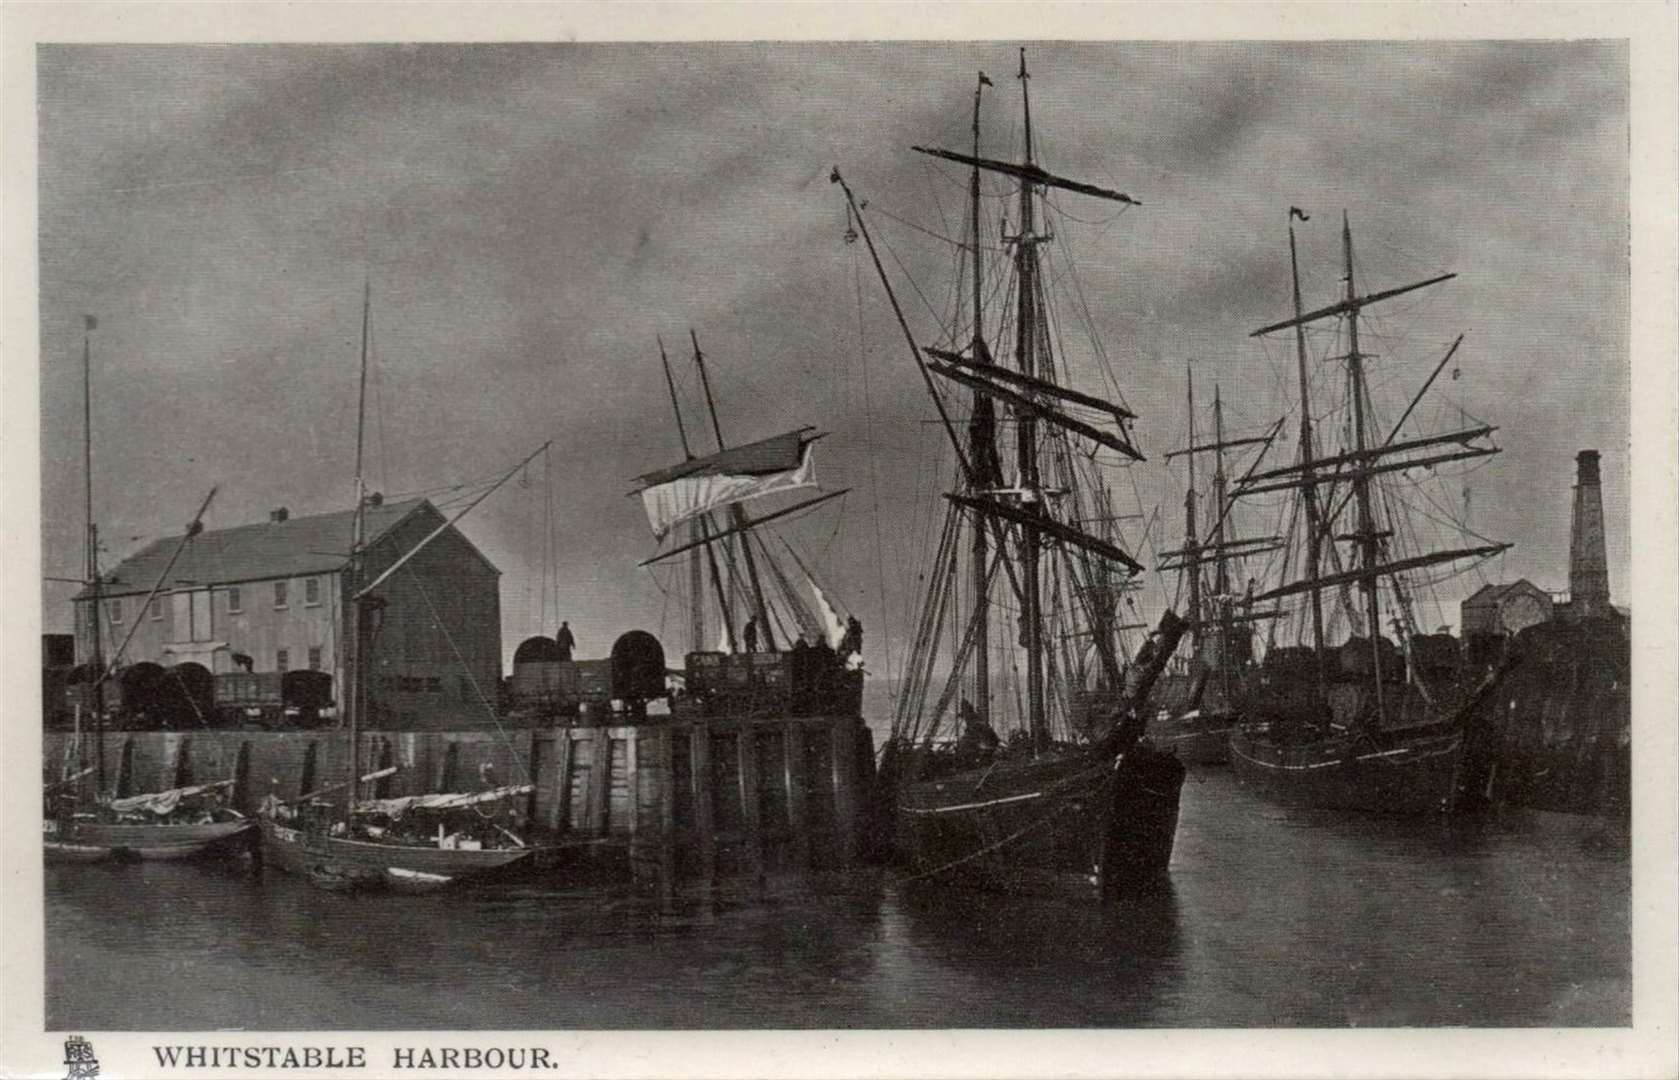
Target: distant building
{"x": 1505, "y": 610}
{"x": 274, "y": 597}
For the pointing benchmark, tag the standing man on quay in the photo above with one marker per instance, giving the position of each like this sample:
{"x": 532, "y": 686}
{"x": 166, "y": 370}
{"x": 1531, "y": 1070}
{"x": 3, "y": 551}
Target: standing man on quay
{"x": 565, "y": 641}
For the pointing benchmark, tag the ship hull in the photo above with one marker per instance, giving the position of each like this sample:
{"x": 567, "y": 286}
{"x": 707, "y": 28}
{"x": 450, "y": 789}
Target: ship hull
{"x": 1393, "y": 772}
{"x": 364, "y": 863}
{"x": 1069, "y": 823}
{"x": 93, "y": 841}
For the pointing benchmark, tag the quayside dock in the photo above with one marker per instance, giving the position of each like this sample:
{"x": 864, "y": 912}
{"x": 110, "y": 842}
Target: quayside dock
{"x": 705, "y": 794}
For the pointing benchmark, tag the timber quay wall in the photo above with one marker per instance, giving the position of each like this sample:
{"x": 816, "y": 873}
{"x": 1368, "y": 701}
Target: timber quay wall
{"x": 712, "y": 795}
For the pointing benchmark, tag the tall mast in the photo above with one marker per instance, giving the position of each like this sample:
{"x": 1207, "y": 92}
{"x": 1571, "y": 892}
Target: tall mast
{"x": 1308, "y": 476}
{"x": 1368, "y": 541}
{"x": 982, "y": 437}
{"x": 1192, "y": 533}
{"x": 696, "y": 572}
{"x": 352, "y": 668}
{"x": 96, "y": 658}
{"x": 1026, "y": 446}
{"x": 735, "y": 512}
{"x": 1221, "y": 579}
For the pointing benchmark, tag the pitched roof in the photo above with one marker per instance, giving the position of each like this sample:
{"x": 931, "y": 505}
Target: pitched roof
{"x": 273, "y": 549}
{"x": 1491, "y": 594}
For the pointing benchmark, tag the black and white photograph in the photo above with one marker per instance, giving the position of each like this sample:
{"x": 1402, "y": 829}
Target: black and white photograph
{"x": 537, "y": 527}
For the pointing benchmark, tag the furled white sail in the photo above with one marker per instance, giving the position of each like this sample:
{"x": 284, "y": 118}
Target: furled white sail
{"x": 395, "y": 808}
{"x": 671, "y": 503}
{"x": 163, "y": 803}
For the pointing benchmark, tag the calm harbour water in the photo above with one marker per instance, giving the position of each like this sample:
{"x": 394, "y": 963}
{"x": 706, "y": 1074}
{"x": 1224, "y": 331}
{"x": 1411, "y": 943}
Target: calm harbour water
{"x": 1274, "y": 917}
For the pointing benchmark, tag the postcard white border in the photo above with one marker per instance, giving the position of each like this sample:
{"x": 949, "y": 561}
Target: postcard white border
{"x": 1647, "y": 1049}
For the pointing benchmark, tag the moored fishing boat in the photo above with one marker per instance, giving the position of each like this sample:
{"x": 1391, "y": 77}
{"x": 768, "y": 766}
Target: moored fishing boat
{"x": 82, "y": 825}
{"x": 371, "y": 843}
{"x": 410, "y": 844}
{"x": 1073, "y": 797}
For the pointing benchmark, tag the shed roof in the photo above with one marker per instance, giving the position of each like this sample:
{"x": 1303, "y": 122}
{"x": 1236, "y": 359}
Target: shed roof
{"x": 298, "y": 546}
{"x": 1492, "y": 594}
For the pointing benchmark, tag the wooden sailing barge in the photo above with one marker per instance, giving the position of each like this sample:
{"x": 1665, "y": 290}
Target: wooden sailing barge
{"x": 1070, "y": 800}
{"x": 1366, "y": 726}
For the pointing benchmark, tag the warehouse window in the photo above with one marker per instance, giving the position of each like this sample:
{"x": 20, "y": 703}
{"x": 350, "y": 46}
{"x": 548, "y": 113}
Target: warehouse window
{"x": 315, "y": 658}
{"x": 157, "y": 608}
{"x": 282, "y": 661}
{"x": 311, "y": 591}
{"x": 233, "y": 599}
{"x": 116, "y": 611}
{"x": 279, "y": 594}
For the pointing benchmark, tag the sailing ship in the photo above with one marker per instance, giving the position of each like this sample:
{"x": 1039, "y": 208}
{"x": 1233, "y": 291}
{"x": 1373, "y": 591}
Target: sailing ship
{"x": 413, "y": 844}
{"x": 1075, "y": 798}
{"x": 1367, "y": 725}
{"x": 1211, "y": 570}
{"x": 178, "y": 823}
{"x": 758, "y": 608}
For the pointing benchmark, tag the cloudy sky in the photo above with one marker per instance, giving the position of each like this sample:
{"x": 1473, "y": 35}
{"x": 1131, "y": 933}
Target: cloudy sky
{"x": 531, "y": 217}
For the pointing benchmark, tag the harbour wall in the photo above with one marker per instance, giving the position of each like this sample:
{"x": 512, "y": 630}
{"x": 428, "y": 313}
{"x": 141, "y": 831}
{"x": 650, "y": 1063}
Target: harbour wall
{"x": 1562, "y": 720}
{"x": 704, "y": 795}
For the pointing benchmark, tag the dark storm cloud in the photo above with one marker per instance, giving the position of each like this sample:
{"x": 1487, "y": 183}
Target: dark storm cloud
{"x": 531, "y": 216}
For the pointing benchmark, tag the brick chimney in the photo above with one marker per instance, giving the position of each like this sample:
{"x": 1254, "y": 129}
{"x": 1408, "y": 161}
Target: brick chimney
{"x": 1588, "y": 564}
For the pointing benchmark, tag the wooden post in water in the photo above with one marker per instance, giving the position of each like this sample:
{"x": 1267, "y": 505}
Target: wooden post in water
{"x": 746, "y": 751}
{"x": 306, "y": 772}
{"x": 125, "y": 769}
{"x": 244, "y": 799}
{"x": 182, "y": 764}
{"x": 793, "y": 767}
{"x": 667, "y": 812}
{"x": 559, "y": 811}
{"x": 844, "y": 741}
{"x": 704, "y": 829}
{"x": 534, "y": 775}
{"x": 632, "y": 778}
{"x": 600, "y": 782}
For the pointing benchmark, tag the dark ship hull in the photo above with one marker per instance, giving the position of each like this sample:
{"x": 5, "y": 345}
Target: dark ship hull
{"x": 1327, "y": 749}
{"x": 1078, "y": 822}
{"x": 1403, "y": 772}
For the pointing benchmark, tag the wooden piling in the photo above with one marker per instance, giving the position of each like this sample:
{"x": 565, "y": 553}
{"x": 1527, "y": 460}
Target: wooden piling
{"x": 244, "y": 799}
{"x": 844, "y": 743}
{"x": 306, "y": 773}
{"x": 183, "y": 763}
{"x": 746, "y": 751}
{"x": 632, "y": 777}
{"x": 793, "y": 767}
{"x": 125, "y": 769}
{"x": 666, "y": 744}
{"x": 533, "y": 775}
{"x": 704, "y": 829}
{"x": 559, "y": 817}
{"x": 600, "y": 782}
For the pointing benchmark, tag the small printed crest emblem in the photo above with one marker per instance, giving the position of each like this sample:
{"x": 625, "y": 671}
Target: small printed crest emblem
{"x": 79, "y": 1059}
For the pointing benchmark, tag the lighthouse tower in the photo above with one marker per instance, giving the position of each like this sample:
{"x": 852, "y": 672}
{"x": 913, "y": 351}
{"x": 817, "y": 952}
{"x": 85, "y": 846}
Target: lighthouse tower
{"x": 1588, "y": 564}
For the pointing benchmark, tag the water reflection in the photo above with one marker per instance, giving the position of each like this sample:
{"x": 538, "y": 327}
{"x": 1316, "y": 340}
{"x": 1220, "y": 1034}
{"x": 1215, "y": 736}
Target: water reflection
{"x": 1272, "y": 917}
{"x": 1024, "y": 962}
